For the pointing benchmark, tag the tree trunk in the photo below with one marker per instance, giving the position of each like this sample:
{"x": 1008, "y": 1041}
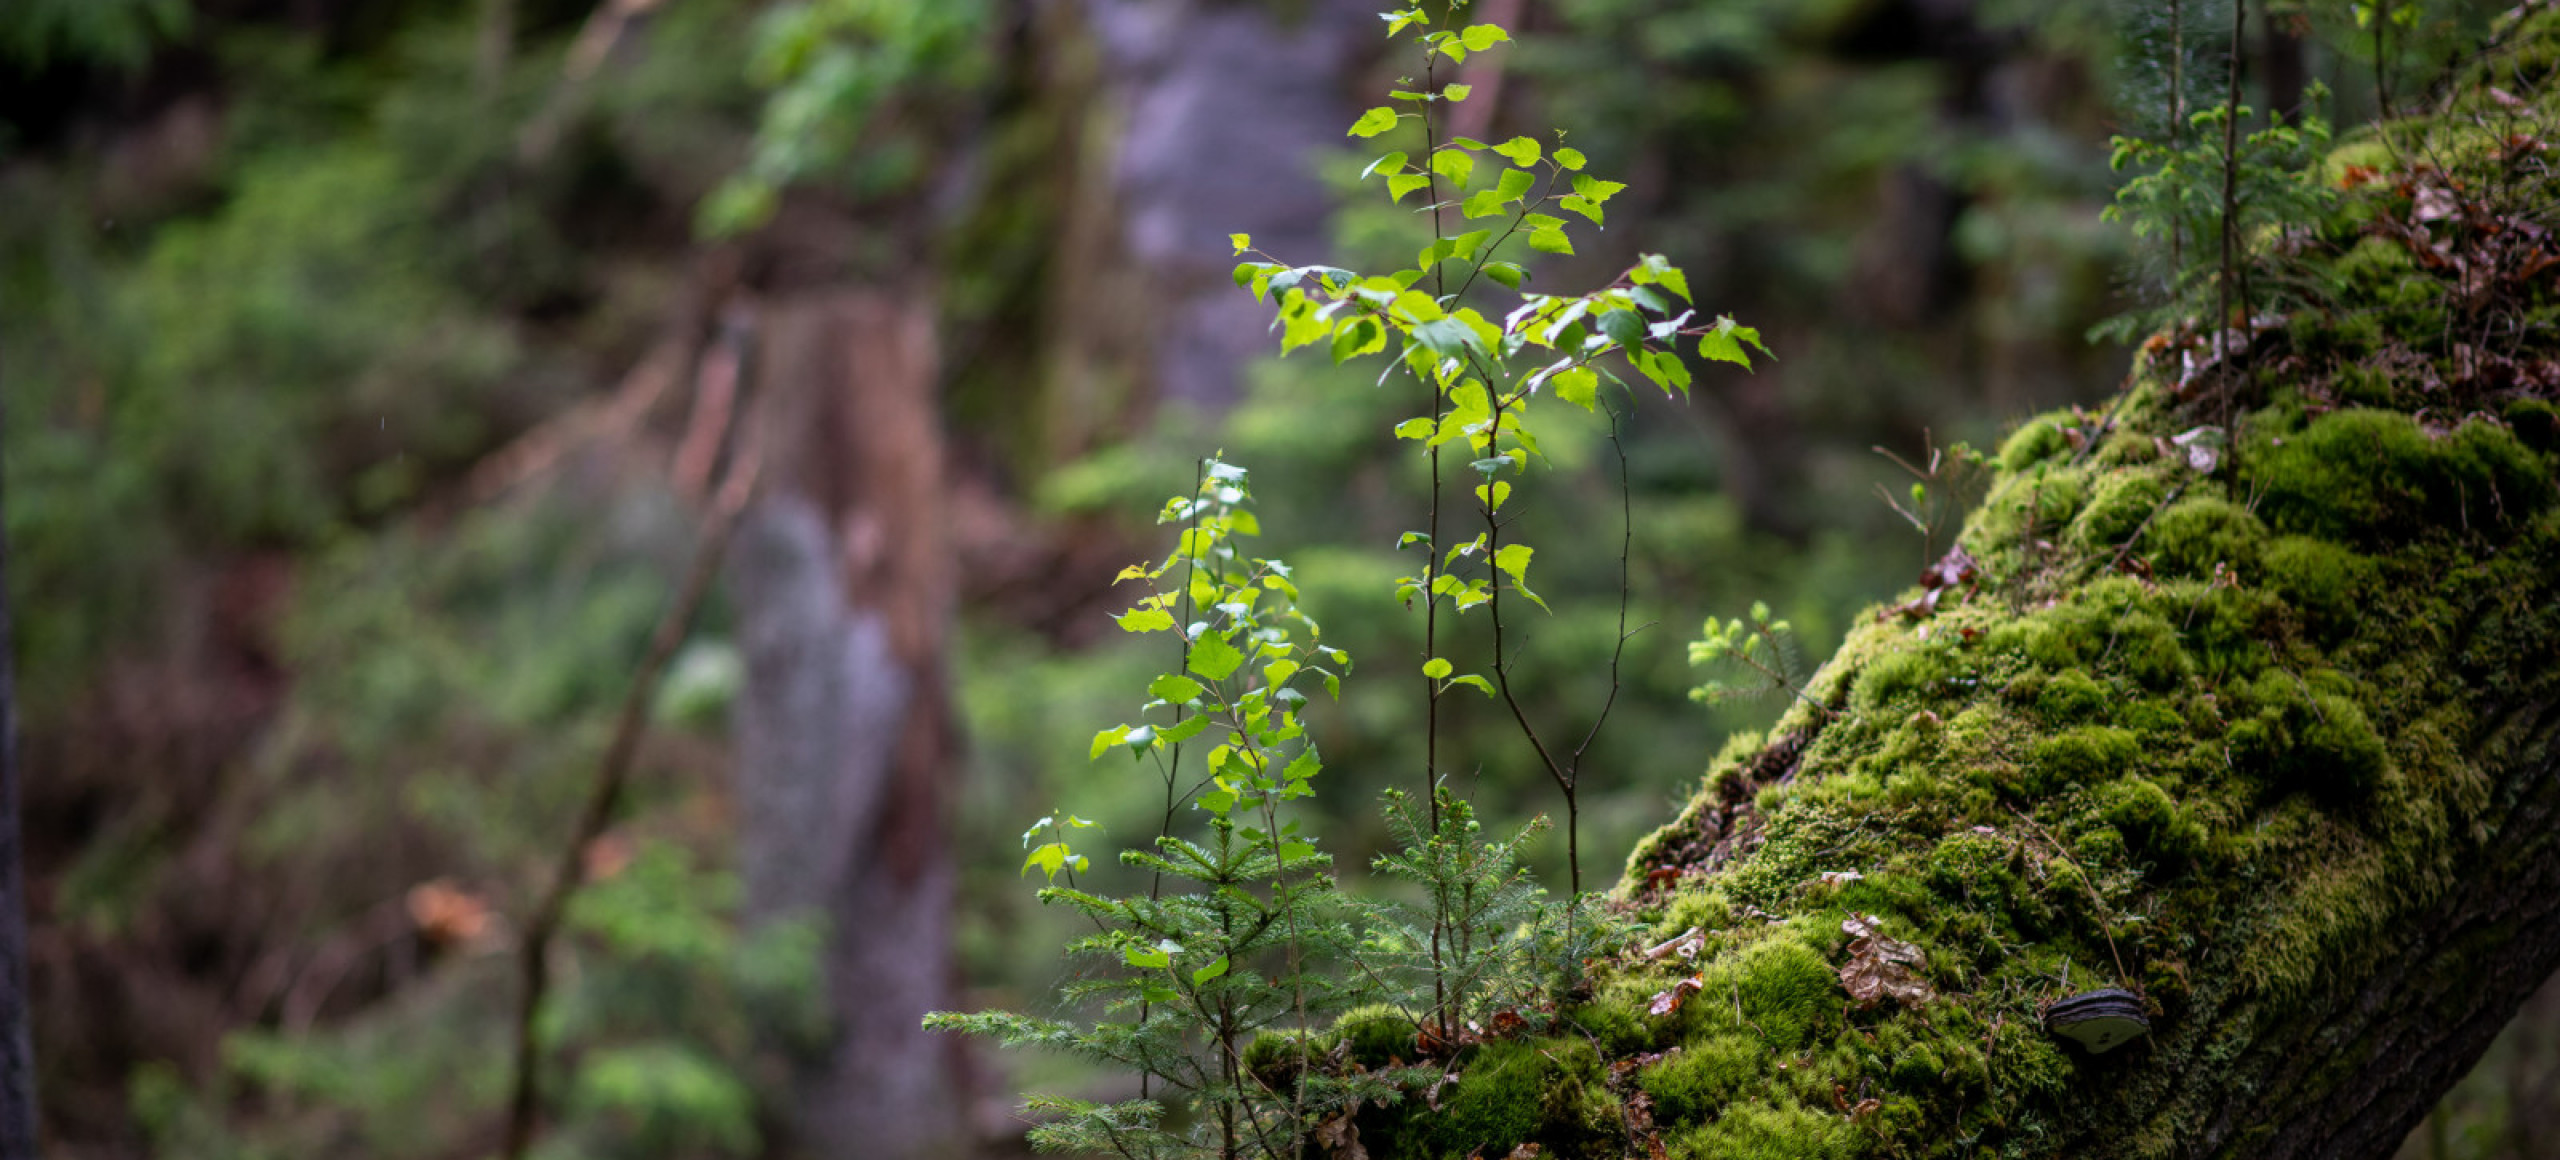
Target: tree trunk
{"x": 2258, "y": 730}
{"x": 17, "y": 1049}
{"x": 842, "y": 577}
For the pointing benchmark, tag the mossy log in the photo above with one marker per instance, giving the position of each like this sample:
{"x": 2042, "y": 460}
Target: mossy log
{"x": 2259, "y": 726}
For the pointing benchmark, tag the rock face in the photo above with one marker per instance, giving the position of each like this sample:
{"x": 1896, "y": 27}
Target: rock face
{"x": 2251, "y": 710}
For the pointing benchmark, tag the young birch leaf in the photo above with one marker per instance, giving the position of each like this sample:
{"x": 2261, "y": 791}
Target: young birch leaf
{"x": 1145, "y": 620}
{"x": 1595, "y": 189}
{"x": 1437, "y": 667}
{"x": 1214, "y": 658}
{"x": 1507, "y": 273}
{"x": 1520, "y": 151}
{"x": 1155, "y": 957}
{"x": 1175, "y": 688}
{"x": 1584, "y": 206}
{"x": 1515, "y": 183}
{"x": 1513, "y": 560}
{"x": 1393, "y": 163}
{"x": 1550, "y": 241}
{"x": 1404, "y": 183}
{"x": 1457, "y": 92}
{"x": 1483, "y": 203}
{"x": 1417, "y": 428}
{"x": 1242, "y": 242}
{"x": 1569, "y": 158}
{"x": 1578, "y": 386}
{"x": 1480, "y": 37}
{"x": 1455, "y": 164}
{"x": 1209, "y": 972}
{"x": 1104, "y": 740}
{"x": 1481, "y": 685}
{"x": 1373, "y": 122}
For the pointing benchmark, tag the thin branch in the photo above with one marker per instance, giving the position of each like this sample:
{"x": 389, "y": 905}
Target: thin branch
{"x": 611, "y": 773}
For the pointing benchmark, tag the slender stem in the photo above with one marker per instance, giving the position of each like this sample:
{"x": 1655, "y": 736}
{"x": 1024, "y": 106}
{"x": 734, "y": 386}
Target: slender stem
{"x": 1431, "y": 561}
{"x": 611, "y": 773}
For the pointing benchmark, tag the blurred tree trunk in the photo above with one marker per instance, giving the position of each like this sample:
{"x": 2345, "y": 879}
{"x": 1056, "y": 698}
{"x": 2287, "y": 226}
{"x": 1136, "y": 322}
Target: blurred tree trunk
{"x": 17, "y": 1049}
{"x": 842, "y": 578}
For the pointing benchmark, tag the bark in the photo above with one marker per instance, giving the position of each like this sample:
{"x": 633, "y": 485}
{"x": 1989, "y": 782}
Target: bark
{"x": 841, "y": 576}
{"x": 17, "y": 1048}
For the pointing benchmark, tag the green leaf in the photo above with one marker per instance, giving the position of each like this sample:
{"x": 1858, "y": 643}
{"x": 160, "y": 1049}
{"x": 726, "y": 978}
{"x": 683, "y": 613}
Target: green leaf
{"x": 1481, "y": 685}
{"x": 1595, "y": 189}
{"x": 1050, "y": 859}
{"x": 1480, "y": 37}
{"x": 1464, "y": 245}
{"x": 1405, "y": 183}
{"x": 1584, "y": 206}
{"x": 1175, "y": 688}
{"x": 1293, "y": 851}
{"x": 1374, "y": 122}
{"x": 1514, "y": 183}
{"x": 1550, "y": 242}
{"x": 1437, "y": 667}
{"x": 1393, "y": 163}
{"x": 1418, "y": 428}
{"x": 1624, "y": 327}
{"x": 1513, "y": 560}
{"x": 1483, "y": 203}
{"x": 1457, "y": 92}
{"x": 1446, "y": 337}
{"x": 1153, "y": 957}
{"x": 1303, "y": 766}
{"x": 1104, "y": 740}
{"x": 1209, "y": 972}
{"x": 1145, "y": 620}
{"x": 1140, "y": 740}
{"x": 1519, "y": 151}
{"x": 1577, "y": 385}
{"x": 1455, "y": 164}
{"x": 1212, "y": 657}
{"x": 1357, "y": 337}
{"x": 1507, "y": 273}
{"x": 1242, "y": 242}
{"x": 1569, "y": 158}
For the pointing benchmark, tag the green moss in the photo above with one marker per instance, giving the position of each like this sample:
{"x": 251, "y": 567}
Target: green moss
{"x": 1909, "y": 677}
{"x": 2536, "y": 422}
{"x": 1378, "y": 1034}
{"x": 2321, "y": 580}
{"x": 1769, "y": 1132}
{"x": 2300, "y": 738}
{"x": 2152, "y": 824}
{"x": 2201, "y": 531}
{"x": 1545, "y": 1091}
{"x": 2366, "y": 476}
{"x": 1705, "y": 1075}
{"x": 2116, "y": 508}
{"x": 2035, "y": 440}
{"x": 1703, "y": 909}
{"x": 2070, "y": 698}
{"x": 2089, "y": 756}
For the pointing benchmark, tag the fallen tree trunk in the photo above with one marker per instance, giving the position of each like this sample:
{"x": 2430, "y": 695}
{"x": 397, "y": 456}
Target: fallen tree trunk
{"x": 2257, "y": 729}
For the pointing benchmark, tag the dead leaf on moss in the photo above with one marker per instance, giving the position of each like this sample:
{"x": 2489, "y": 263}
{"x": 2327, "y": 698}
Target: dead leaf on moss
{"x": 1340, "y": 1137}
{"x": 1880, "y": 968}
{"x": 1669, "y": 1000}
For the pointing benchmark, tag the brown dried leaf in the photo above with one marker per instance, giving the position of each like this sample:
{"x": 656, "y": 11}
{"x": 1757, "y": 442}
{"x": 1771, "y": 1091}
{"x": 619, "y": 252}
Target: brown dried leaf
{"x": 1880, "y": 968}
{"x": 1340, "y": 1137}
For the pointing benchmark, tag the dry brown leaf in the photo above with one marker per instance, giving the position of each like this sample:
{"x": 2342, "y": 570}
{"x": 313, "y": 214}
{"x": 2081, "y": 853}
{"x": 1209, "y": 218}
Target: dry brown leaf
{"x": 1880, "y": 968}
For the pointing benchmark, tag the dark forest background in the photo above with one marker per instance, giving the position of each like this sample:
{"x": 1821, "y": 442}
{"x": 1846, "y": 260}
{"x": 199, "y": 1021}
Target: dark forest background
{"x": 369, "y": 366}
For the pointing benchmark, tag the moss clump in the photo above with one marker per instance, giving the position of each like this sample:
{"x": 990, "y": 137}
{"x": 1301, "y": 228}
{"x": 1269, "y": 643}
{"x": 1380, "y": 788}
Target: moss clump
{"x": 1699, "y": 1080}
{"x": 2366, "y": 476}
{"x": 1769, "y": 1132}
{"x": 2321, "y": 580}
{"x": 2070, "y": 698}
{"x": 2035, "y": 440}
{"x": 2118, "y": 506}
{"x": 2089, "y": 756}
{"x": 2202, "y": 531}
{"x": 1379, "y": 1035}
{"x": 1549, "y": 1092}
{"x": 2151, "y": 823}
{"x": 2301, "y": 738}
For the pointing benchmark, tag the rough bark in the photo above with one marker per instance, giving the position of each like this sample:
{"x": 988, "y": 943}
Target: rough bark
{"x": 841, "y": 575}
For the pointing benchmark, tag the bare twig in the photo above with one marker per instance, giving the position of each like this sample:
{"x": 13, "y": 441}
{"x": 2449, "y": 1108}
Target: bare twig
{"x": 611, "y": 773}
